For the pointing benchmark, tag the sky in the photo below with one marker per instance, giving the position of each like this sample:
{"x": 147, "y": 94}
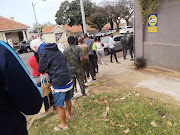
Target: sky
{"x": 22, "y": 10}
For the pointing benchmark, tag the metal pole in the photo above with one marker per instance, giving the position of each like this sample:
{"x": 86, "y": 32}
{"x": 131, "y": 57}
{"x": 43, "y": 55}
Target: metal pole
{"x": 36, "y": 20}
{"x": 83, "y": 16}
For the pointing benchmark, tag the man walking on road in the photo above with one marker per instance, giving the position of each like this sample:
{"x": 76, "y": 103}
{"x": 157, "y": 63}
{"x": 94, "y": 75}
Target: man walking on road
{"x": 74, "y": 57}
{"x": 90, "y": 42}
{"x": 124, "y": 45}
{"x": 52, "y": 59}
{"x": 130, "y": 45}
{"x": 111, "y": 46}
{"x": 86, "y": 63}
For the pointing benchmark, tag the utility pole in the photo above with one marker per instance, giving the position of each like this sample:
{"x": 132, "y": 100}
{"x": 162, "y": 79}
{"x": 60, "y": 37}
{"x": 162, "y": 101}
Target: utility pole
{"x": 37, "y": 25}
{"x": 35, "y": 15}
{"x": 83, "y": 16}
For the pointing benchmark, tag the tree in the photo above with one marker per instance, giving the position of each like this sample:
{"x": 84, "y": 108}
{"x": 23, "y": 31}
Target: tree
{"x": 71, "y": 12}
{"x": 118, "y": 9}
{"x": 99, "y": 17}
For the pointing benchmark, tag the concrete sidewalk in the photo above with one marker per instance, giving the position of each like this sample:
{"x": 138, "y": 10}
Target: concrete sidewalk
{"x": 125, "y": 75}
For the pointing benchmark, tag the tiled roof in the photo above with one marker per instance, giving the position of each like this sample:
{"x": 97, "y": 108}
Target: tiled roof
{"x": 106, "y": 26}
{"x": 10, "y": 24}
{"x": 48, "y": 29}
{"x": 77, "y": 28}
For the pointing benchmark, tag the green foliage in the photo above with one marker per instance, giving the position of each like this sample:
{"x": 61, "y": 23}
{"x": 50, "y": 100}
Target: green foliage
{"x": 148, "y": 7}
{"x": 70, "y": 12}
{"x": 105, "y": 114}
{"x": 118, "y": 9}
{"x": 140, "y": 62}
{"x": 99, "y": 17}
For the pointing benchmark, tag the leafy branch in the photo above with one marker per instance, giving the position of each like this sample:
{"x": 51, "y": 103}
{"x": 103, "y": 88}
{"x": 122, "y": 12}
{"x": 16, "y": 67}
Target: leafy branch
{"x": 148, "y": 7}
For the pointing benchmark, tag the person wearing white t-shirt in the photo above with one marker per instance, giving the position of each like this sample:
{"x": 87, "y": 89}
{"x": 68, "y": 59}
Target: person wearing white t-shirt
{"x": 100, "y": 51}
{"x": 111, "y": 46}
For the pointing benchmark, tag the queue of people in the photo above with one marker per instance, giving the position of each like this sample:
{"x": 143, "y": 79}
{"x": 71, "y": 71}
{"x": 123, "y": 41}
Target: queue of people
{"x": 63, "y": 68}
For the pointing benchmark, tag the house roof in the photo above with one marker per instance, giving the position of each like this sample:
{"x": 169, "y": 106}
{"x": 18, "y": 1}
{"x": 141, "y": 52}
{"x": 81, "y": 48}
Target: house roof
{"x": 48, "y": 29}
{"x": 10, "y": 24}
{"x": 77, "y": 28}
{"x": 106, "y": 26}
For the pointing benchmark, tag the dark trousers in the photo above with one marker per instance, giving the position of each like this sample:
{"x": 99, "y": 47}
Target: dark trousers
{"x": 131, "y": 53}
{"x": 113, "y": 52}
{"x": 124, "y": 52}
{"x": 79, "y": 75}
{"x": 92, "y": 60}
{"x": 87, "y": 66}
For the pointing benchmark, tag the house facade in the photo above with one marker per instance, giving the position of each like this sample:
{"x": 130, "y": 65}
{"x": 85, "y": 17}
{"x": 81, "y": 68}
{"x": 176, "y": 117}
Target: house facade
{"x": 160, "y": 48}
{"x": 60, "y": 33}
{"x": 12, "y": 31}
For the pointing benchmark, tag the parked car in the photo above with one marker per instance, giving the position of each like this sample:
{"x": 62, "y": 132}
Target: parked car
{"x": 23, "y": 46}
{"x": 118, "y": 45}
{"x": 91, "y": 36}
{"x": 126, "y": 29}
{"x": 110, "y": 31}
{"x": 100, "y": 34}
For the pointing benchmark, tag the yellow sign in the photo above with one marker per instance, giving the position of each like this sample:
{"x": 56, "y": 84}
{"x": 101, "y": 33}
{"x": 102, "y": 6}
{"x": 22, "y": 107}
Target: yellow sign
{"x": 152, "y": 29}
{"x": 152, "y": 23}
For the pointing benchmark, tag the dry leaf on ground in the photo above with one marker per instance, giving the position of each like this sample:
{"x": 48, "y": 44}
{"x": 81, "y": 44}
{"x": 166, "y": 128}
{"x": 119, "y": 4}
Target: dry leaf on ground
{"x": 150, "y": 103}
{"x": 126, "y": 131}
{"x": 120, "y": 125}
{"x": 169, "y": 123}
{"x": 105, "y": 101}
{"x": 112, "y": 123}
{"x": 153, "y": 123}
{"x": 107, "y": 108}
{"x": 135, "y": 124}
{"x": 128, "y": 115}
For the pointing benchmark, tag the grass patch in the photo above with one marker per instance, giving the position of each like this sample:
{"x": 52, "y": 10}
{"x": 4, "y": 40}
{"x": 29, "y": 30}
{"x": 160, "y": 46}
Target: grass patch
{"x": 98, "y": 83}
{"x": 115, "y": 114}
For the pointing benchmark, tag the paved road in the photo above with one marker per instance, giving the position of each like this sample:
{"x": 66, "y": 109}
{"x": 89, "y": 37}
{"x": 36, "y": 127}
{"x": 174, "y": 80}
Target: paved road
{"x": 24, "y": 57}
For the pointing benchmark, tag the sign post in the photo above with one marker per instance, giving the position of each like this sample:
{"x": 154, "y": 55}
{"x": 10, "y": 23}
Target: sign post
{"x": 152, "y": 23}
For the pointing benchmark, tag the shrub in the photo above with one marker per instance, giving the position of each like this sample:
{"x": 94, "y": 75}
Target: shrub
{"x": 140, "y": 62}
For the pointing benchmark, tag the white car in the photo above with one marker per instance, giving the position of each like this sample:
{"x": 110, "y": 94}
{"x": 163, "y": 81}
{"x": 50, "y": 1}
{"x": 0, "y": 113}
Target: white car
{"x": 100, "y": 34}
{"x": 110, "y": 32}
{"x": 126, "y": 29}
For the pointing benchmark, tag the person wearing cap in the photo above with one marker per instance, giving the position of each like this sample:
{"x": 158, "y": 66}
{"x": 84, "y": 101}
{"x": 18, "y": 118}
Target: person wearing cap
{"x": 19, "y": 94}
{"x": 74, "y": 57}
{"x": 52, "y": 60}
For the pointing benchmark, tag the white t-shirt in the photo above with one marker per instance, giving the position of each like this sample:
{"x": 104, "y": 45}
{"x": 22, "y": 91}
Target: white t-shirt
{"x": 111, "y": 43}
{"x": 99, "y": 47}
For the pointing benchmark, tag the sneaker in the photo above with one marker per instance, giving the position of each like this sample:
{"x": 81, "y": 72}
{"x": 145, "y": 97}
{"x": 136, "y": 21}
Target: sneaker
{"x": 86, "y": 84}
{"x": 84, "y": 95}
{"x": 94, "y": 79}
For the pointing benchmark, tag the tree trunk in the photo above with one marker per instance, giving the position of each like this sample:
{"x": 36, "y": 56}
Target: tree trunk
{"x": 127, "y": 21}
{"x": 82, "y": 28}
{"x": 111, "y": 23}
{"x": 117, "y": 24}
{"x": 99, "y": 28}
